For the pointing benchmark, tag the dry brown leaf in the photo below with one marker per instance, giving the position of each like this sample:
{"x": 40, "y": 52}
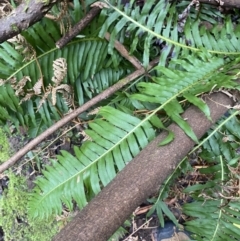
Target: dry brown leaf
{"x": 37, "y": 87}
{"x": 59, "y": 71}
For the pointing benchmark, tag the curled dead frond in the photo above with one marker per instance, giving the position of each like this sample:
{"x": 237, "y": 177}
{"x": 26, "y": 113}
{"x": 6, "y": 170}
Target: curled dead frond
{"x": 86, "y": 137}
{"x": 37, "y": 87}
{"x": 20, "y": 85}
{"x": 62, "y": 18}
{"x": 62, "y": 89}
{"x": 59, "y": 71}
{"x": 12, "y": 81}
{"x": 67, "y": 99}
{"x": 21, "y": 44}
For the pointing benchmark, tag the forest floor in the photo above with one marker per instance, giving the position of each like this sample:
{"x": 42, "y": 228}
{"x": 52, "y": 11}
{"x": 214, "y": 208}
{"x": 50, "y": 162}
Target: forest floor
{"x": 140, "y": 226}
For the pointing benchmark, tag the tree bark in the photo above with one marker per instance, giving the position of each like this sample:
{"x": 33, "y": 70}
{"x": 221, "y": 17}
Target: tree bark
{"x": 25, "y": 15}
{"x": 140, "y": 178}
{"x": 223, "y": 3}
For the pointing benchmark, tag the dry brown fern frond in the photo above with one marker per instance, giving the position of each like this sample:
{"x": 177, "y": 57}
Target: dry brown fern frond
{"x": 68, "y": 99}
{"x": 27, "y": 97}
{"x": 37, "y": 87}
{"x": 86, "y": 137}
{"x": 20, "y": 85}
{"x": 59, "y": 71}
{"x": 45, "y": 96}
{"x": 2, "y": 82}
{"x": 63, "y": 17}
{"x": 21, "y": 44}
{"x": 63, "y": 88}
{"x": 5, "y": 8}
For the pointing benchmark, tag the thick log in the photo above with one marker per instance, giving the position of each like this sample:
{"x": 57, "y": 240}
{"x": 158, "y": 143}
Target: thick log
{"x": 140, "y": 178}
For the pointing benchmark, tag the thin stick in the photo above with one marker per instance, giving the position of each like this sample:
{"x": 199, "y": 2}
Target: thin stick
{"x": 137, "y": 229}
{"x": 124, "y": 52}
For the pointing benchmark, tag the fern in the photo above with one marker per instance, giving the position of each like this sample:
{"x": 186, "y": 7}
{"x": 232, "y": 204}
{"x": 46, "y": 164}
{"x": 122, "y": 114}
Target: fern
{"x": 94, "y": 165}
{"x": 161, "y": 23}
{"x": 187, "y": 69}
{"x": 216, "y": 209}
{"x": 79, "y": 60}
{"x": 98, "y": 160}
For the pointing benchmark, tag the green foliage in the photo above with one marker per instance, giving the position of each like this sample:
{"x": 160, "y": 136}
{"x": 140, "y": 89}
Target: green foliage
{"x": 95, "y": 164}
{"x": 90, "y": 71}
{"x": 161, "y": 22}
{"x": 98, "y": 160}
{"x": 215, "y": 208}
{"x": 13, "y": 215}
{"x": 192, "y": 60}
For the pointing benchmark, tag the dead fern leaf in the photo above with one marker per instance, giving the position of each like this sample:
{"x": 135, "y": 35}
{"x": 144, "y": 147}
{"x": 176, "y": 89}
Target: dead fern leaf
{"x": 5, "y": 8}
{"x": 45, "y": 96}
{"x": 59, "y": 71}
{"x": 23, "y": 46}
{"x": 65, "y": 87}
{"x": 68, "y": 100}
{"x": 12, "y": 81}
{"x": 54, "y": 96}
{"x": 61, "y": 89}
{"x": 27, "y": 97}
{"x": 37, "y": 87}
{"x": 20, "y": 85}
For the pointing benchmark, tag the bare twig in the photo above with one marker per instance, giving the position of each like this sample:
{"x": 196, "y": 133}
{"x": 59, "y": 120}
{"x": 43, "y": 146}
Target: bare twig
{"x": 140, "y": 227}
{"x": 124, "y": 52}
{"x": 105, "y": 94}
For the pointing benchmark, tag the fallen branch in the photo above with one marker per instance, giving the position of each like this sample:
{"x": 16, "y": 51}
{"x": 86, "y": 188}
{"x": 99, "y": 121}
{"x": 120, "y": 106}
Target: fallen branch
{"x": 140, "y": 178}
{"x": 223, "y": 3}
{"x": 105, "y": 94}
{"x": 25, "y": 15}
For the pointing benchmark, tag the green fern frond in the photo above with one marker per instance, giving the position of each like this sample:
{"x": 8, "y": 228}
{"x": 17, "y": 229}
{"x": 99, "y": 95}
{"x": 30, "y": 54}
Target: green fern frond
{"x": 214, "y": 209}
{"x": 214, "y": 220}
{"x": 114, "y": 142}
{"x": 184, "y": 80}
{"x": 160, "y": 23}
{"x": 225, "y": 141}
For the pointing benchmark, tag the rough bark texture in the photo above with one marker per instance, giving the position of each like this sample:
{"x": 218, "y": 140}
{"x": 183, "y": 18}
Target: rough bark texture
{"x": 223, "y": 3}
{"x": 140, "y": 178}
{"x": 25, "y": 15}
